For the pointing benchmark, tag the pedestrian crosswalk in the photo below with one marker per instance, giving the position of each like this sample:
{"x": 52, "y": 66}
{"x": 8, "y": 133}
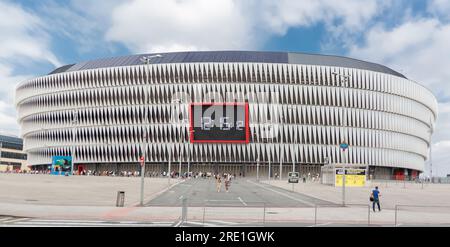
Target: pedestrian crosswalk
{"x": 10, "y": 221}
{"x": 212, "y": 223}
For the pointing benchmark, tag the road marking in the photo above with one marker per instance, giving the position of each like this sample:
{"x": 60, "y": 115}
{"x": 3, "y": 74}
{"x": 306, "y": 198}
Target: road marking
{"x": 5, "y": 218}
{"x": 223, "y": 222}
{"x": 177, "y": 224}
{"x": 200, "y": 223}
{"x": 14, "y": 220}
{"x": 283, "y": 194}
{"x": 220, "y": 200}
{"x": 322, "y": 224}
{"x": 68, "y": 221}
{"x": 59, "y": 223}
{"x": 240, "y": 199}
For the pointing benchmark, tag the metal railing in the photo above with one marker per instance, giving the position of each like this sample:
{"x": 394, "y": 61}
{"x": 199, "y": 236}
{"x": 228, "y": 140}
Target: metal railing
{"x": 436, "y": 215}
{"x": 349, "y": 206}
{"x": 261, "y": 214}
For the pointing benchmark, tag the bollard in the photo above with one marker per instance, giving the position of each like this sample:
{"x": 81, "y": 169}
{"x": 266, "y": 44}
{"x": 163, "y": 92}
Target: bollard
{"x": 204, "y": 211}
{"x": 315, "y": 215}
{"x": 264, "y": 215}
{"x": 120, "y": 198}
{"x": 395, "y": 222}
{"x": 184, "y": 209}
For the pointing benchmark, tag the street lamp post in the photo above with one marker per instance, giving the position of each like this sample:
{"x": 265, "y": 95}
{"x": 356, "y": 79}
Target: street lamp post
{"x": 179, "y": 150}
{"x": 144, "y": 156}
{"x": 431, "y": 153}
{"x": 258, "y": 157}
{"x": 146, "y": 60}
{"x": 280, "y": 141}
{"x": 74, "y": 134}
{"x": 344, "y": 84}
{"x": 1, "y": 147}
{"x": 257, "y": 169}
{"x": 271, "y": 142}
{"x": 283, "y": 120}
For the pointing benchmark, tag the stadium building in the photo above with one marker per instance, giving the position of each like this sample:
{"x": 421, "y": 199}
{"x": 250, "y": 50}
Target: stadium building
{"x": 227, "y": 111}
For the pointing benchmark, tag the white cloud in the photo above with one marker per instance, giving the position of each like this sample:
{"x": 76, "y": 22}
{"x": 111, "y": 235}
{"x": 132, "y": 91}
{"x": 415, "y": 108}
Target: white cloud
{"x": 150, "y": 25}
{"x": 23, "y": 42}
{"x": 440, "y": 8}
{"x": 418, "y": 48}
{"x": 440, "y": 158}
{"x": 144, "y": 25}
{"x": 22, "y": 35}
{"x": 279, "y": 16}
{"x": 8, "y": 120}
{"x": 83, "y": 22}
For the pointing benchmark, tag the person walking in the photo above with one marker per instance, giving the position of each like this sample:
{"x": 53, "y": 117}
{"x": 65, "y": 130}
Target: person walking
{"x": 218, "y": 182}
{"x": 375, "y": 198}
{"x": 227, "y": 182}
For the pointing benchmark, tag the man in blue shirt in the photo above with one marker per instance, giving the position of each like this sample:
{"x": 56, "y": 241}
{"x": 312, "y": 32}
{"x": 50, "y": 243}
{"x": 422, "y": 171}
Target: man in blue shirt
{"x": 376, "y": 198}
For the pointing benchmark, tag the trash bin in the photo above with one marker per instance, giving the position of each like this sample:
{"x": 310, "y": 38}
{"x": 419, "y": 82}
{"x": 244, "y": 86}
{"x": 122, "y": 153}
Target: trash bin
{"x": 120, "y": 198}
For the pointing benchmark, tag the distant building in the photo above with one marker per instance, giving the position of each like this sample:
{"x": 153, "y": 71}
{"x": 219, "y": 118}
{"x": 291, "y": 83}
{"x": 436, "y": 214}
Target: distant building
{"x": 12, "y": 156}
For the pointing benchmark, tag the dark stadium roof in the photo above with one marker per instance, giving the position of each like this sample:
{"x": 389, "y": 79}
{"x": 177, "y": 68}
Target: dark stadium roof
{"x": 230, "y": 56}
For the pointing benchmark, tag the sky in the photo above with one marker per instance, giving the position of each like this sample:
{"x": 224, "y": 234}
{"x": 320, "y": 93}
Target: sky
{"x": 410, "y": 36}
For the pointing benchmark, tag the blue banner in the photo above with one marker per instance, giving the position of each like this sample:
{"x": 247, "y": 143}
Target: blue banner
{"x": 61, "y": 165}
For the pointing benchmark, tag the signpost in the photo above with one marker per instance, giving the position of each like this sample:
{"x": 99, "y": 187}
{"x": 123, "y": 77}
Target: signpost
{"x": 344, "y": 147}
{"x": 293, "y": 178}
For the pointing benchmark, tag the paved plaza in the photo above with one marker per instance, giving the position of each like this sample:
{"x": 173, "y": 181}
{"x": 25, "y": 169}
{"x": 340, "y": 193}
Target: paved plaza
{"x": 45, "y": 200}
{"x": 392, "y": 192}
{"x": 42, "y": 189}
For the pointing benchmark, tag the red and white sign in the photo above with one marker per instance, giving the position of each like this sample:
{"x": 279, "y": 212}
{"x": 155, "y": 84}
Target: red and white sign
{"x": 142, "y": 160}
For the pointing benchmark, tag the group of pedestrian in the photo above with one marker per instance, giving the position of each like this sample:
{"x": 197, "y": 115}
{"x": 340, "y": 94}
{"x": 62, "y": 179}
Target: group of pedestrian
{"x": 226, "y": 178}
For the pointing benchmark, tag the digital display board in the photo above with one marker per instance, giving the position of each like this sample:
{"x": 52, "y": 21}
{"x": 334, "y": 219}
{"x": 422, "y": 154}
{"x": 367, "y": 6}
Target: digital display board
{"x": 219, "y": 122}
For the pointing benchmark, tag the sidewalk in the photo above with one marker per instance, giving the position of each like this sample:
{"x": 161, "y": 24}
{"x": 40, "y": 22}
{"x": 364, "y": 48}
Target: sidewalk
{"x": 392, "y": 193}
{"x": 41, "y": 189}
{"x": 324, "y": 215}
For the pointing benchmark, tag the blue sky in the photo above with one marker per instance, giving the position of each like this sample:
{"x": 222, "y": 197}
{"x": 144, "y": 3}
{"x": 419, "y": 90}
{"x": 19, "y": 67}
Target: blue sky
{"x": 411, "y": 37}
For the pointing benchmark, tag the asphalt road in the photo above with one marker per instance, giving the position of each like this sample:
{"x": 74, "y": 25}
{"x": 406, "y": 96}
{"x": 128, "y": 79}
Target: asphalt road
{"x": 243, "y": 192}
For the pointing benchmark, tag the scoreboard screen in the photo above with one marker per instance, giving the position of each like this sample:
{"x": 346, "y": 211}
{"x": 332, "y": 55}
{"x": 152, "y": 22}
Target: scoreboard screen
{"x": 219, "y": 122}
